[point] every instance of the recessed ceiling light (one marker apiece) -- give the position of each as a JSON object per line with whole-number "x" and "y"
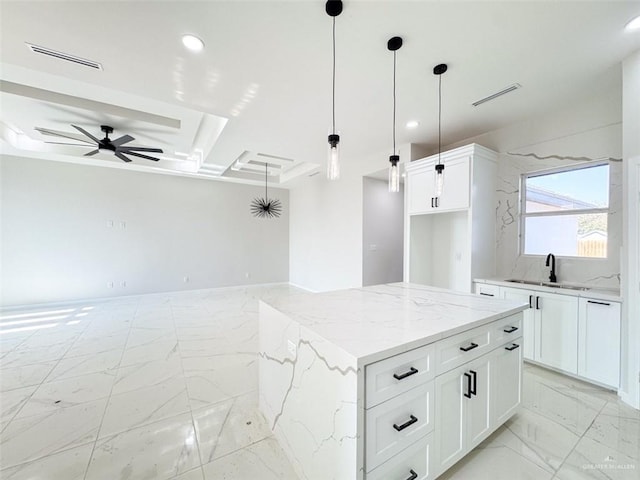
{"x": 633, "y": 24}
{"x": 412, "y": 124}
{"x": 192, "y": 42}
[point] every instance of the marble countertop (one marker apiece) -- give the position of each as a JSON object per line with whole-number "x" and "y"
{"x": 376, "y": 322}
{"x": 596, "y": 293}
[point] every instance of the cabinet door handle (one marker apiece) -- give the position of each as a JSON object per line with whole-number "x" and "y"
{"x": 406, "y": 424}
{"x": 475, "y": 378}
{"x": 413, "y": 476}
{"x": 537, "y": 303}
{"x": 468, "y": 394}
{"x": 512, "y": 347}
{"x": 412, "y": 371}
{"x": 470, "y": 347}
{"x": 432, "y": 205}
{"x": 437, "y": 202}
{"x": 530, "y": 301}
{"x": 487, "y": 294}
{"x": 599, "y": 303}
{"x": 510, "y": 330}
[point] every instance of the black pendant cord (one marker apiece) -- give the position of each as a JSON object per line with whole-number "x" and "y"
{"x": 333, "y": 92}
{"x": 394, "y": 102}
{"x": 266, "y": 197}
{"x": 439, "y": 116}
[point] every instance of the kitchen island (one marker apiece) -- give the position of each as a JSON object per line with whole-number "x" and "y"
{"x": 395, "y": 381}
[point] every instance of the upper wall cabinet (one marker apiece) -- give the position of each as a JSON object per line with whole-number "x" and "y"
{"x": 421, "y": 185}
{"x": 449, "y": 240}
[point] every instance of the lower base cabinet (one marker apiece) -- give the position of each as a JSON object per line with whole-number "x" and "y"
{"x": 506, "y": 380}
{"x": 415, "y": 463}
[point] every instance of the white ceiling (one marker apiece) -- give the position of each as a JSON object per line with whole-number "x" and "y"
{"x": 266, "y": 68}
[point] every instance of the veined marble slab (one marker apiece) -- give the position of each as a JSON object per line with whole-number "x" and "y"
{"x": 372, "y": 323}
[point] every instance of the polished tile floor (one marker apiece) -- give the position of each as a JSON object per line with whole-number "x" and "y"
{"x": 164, "y": 387}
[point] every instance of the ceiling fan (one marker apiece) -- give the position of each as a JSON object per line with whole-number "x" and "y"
{"x": 117, "y": 146}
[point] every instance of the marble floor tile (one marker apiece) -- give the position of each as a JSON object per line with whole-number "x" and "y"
{"x": 25, "y": 376}
{"x": 28, "y": 356}
{"x": 227, "y": 426}
{"x": 593, "y": 460}
{"x": 495, "y": 463}
{"x": 536, "y": 438}
{"x": 147, "y": 374}
{"x": 75, "y": 366}
{"x": 139, "y": 336}
{"x": 146, "y": 353}
{"x": 67, "y": 465}
{"x": 14, "y": 400}
{"x": 158, "y": 451}
{"x": 98, "y": 344}
{"x": 146, "y": 405}
{"x": 69, "y": 392}
{"x": 30, "y": 438}
{"x": 263, "y": 460}
{"x": 195, "y": 474}
{"x": 616, "y": 432}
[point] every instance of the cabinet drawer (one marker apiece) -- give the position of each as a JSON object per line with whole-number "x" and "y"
{"x": 414, "y": 462}
{"x": 398, "y": 423}
{"x": 392, "y": 376}
{"x": 487, "y": 290}
{"x": 506, "y": 329}
{"x": 454, "y": 351}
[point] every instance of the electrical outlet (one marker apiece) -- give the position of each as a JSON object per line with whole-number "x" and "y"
{"x": 247, "y": 275}
{"x": 291, "y": 347}
{"x": 123, "y": 283}
{"x": 123, "y": 224}
{"x": 109, "y": 284}
{"x": 109, "y": 223}
{"x": 185, "y": 279}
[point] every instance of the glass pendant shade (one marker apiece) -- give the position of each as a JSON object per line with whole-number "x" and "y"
{"x": 333, "y": 161}
{"x": 439, "y": 180}
{"x": 394, "y": 174}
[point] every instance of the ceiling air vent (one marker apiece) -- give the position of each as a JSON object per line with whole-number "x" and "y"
{"x": 64, "y": 56}
{"x": 510, "y": 88}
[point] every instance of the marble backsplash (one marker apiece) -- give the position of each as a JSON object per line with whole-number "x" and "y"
{"x": 601, "y": 272}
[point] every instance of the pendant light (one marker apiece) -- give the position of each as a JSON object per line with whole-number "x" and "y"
{"x": 266, "y": 207}
{"x": 394, "y": 45}
{"x": 333, "y": 9}
{"x": 439, "y": 177}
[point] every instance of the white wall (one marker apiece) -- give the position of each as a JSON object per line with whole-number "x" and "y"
{"x": 326, "y": 224}
{"x": 382, "y": 233}
{"x": 630, "y": 331}
{"x": 591, "y": 129}
{"x": 57, "y": 245}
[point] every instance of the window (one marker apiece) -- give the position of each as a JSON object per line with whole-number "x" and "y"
{"x": 564, "y": 211}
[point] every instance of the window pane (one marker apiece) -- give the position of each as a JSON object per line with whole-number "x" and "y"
{"x": 567, "y": 235}
{"x": 570, "y": 190}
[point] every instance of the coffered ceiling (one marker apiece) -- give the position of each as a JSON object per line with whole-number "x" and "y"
{"x": 260, "y": 91}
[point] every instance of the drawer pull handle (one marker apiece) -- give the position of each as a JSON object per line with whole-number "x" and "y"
{"x": 487, "y": 294}
{"x": 413, "y": 371}
{"x": 406, "y": 424}
{"x": 468, "y": 394}
{"x": 413, "y": 476}
{"x": 599, "y": 303}
{"x": 512, "y": 347}
{"x": 530, "y": 301}
{"x": 470, "y": 347}
{"x": 510, "y": 330}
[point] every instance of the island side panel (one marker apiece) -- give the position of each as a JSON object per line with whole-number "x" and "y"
{"x": 308, "y": 390}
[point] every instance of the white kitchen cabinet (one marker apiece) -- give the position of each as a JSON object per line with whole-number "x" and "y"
{"x": 506, "y": 378}
{"x": 528, "y": 318}
{"x": 487, "y": 290}
{"x": 463, "y": 416}
{"x": 451, "y": 240}
{"x": 599, "y": 341}
{"x": 556, "y": 331}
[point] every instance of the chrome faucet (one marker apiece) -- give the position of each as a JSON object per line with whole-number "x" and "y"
{"x": 552, "y": 275}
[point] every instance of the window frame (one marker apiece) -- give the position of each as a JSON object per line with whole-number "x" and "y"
{"x": 522, "y": 201}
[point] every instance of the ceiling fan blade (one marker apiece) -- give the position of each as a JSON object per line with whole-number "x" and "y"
{"x": 122, "y": 140}
{"x": 141, "y": 156}
{"x": 55, "y": 133}
{"x": 84, "y": 132}
{"x": 122, "y": 157}
{"x": 92, "y": 152}
{"x": 140, "y": 149}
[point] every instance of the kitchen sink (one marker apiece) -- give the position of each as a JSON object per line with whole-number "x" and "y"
{"x": 547, "y": 284}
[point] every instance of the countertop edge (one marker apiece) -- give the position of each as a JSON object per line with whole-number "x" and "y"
{"x": 591, "y": 293}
